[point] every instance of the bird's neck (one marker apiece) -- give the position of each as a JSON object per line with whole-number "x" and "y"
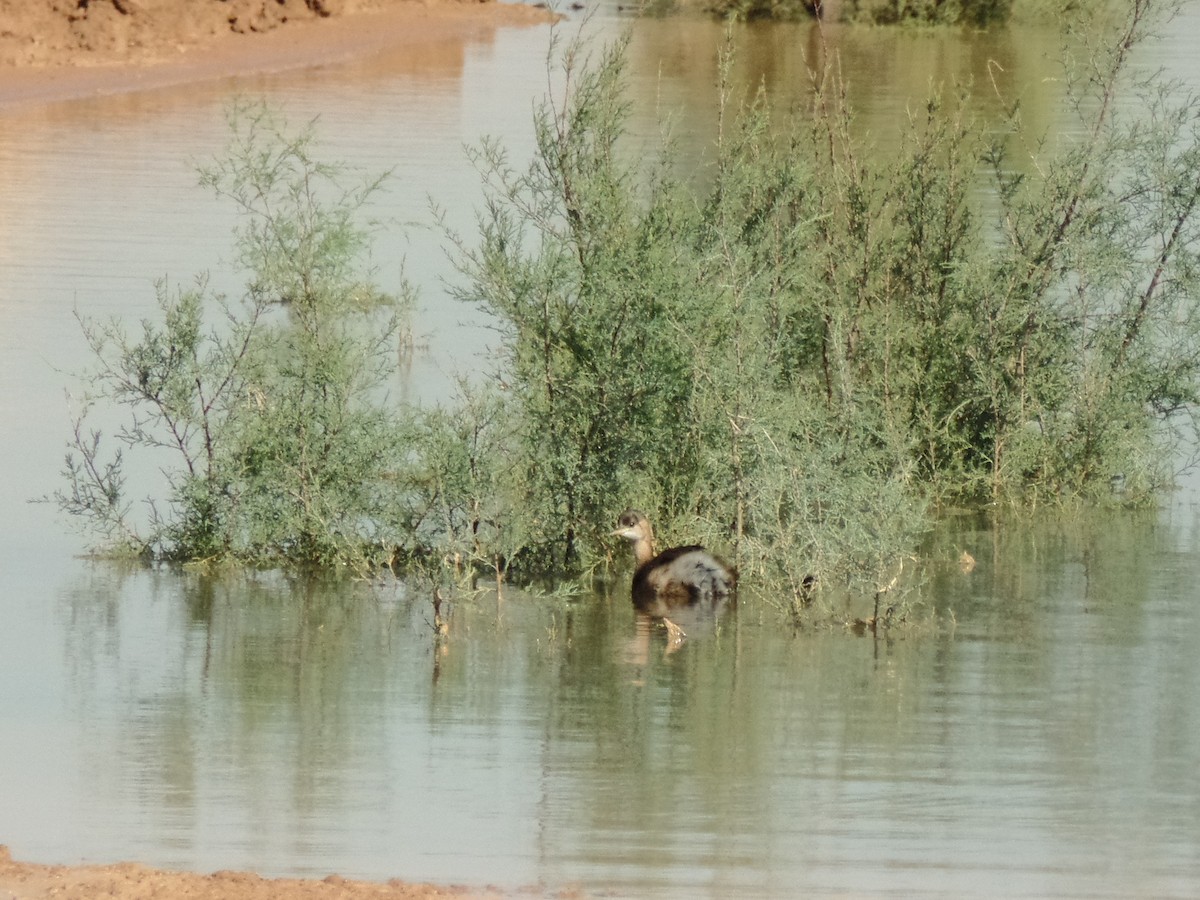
{"x": 643, "y": 551}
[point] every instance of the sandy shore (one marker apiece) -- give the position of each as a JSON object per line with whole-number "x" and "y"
{"x": 54, "y": 50}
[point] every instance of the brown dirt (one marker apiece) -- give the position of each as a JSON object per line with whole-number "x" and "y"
{"x": 60, "y": 49}
{"x": 103, "y": 32}
{"x": 130, "y": 881}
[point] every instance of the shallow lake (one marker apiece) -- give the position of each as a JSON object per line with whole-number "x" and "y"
{"x": 1045, "y": 743}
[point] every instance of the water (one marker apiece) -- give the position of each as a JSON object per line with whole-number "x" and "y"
{"x": 1045, "y": 745}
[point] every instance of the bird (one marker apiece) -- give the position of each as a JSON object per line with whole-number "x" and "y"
{"x": 674, "y": 579}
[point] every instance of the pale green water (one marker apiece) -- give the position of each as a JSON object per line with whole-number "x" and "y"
{"x": 1045, "y": 746}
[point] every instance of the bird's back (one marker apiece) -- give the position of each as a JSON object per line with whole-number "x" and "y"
{"x": 681, "y": 576}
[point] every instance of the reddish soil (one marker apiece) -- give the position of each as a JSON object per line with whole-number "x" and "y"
{"x": 59, "y": 49}
{"x": 103, "y": 32}
{"x": 130, "y": 881}
{"x": 62, "y": 49}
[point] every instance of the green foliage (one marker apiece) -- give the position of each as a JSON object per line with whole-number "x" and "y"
{"x": 1087, "y": 310}
{"x": 276, "y": 448}
{"x": 464, "y": 497}
{"x": 651, "y": 342}
{"x": 576, "y": 267}
{"x": 793, "y": 361}
{"x": 998, "y": 361}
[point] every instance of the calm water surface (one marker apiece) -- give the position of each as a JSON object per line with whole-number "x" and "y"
{"x": 1045, "y": 746}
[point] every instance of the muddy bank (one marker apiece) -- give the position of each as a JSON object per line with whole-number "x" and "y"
{"x": 130, "y": 881}
{"x": 59, "y": 49}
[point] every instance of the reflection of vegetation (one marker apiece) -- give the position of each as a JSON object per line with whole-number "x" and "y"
{"x": 978, "y": 13}
{"x": 773, "y": 10}
{"x": 974, "y": 13}
{"x": 791, "y": 362}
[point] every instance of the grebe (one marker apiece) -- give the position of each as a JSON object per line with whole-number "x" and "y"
{"x": 674, "y": 579}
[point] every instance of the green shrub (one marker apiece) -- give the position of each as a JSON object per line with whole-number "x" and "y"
{"x": 281, "y": 452}
{"x": 579, "y": 265}
{"x": 794, "y": 359}
{"x": 651, "y": 338}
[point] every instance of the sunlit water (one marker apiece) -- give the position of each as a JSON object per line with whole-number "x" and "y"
{"x": 1045, "y": 743}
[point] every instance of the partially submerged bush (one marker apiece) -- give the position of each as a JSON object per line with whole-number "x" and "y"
{"x": 654, "y": 343}
{"x": 280, "y": 453}
{"x": 1086, "y": 342}
{"x": 792, "y": 363}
